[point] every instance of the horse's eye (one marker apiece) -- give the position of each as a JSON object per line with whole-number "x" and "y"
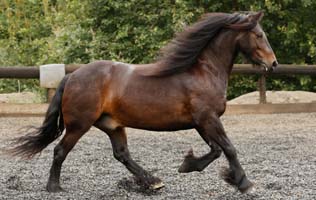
{"x": 259, "y": 35}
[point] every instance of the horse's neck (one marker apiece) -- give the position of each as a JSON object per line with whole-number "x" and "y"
{"x": 221, "y": 53}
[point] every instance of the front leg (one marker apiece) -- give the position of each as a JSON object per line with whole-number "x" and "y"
{"x": 212, "y": 130}
{"x": 192, "y": 163}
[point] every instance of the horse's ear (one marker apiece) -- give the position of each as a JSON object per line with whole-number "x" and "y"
{"x": 256, "y": 16}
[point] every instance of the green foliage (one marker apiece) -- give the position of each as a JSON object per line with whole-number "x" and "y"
{"x": 241, "y": 85}
{"x": 36, "y": 32}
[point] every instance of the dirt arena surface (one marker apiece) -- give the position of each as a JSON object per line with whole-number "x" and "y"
{"x": 277, "y": 152}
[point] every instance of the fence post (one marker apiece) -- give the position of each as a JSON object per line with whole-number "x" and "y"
{"x": 50, "y": 94}
{"x": 262, "y": 89}
{"x": 50, "y": 76}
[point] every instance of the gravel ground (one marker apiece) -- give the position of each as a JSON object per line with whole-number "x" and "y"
{"x": 277, "y": 152}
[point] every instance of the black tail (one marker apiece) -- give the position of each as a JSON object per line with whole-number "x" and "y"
{"x": 52, "y": 127}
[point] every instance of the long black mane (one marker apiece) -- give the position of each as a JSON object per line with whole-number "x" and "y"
{"x": 183, "y": 51}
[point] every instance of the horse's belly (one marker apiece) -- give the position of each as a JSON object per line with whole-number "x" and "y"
{"x": 154, "y": 119}
{"x": 160, "y": 126}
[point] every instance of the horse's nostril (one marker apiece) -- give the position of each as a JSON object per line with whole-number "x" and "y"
{"x": 275, "y": 63}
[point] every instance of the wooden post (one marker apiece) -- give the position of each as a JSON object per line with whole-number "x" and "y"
{"x": 50, "y": 77}
{"x": 262, "y": 89}
{"x": 50, "y": 94}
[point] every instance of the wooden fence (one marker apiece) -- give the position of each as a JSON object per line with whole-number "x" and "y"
{"x": 33, "y": 72}
{"x": 242, "y": 69}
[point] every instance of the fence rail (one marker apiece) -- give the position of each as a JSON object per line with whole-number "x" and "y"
{"x": 29, "y": 72}
{"x": 33, "y": 72}
{"x": 282, "y": 69}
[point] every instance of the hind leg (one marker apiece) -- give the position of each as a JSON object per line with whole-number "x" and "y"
{"x": 60, "y": 152}
{"x": 121, "y": 153}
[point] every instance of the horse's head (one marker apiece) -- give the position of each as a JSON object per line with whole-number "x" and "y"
{"x": 255, "y": 45}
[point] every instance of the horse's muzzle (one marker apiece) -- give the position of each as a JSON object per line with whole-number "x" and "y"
{"x": 273, "y": 66}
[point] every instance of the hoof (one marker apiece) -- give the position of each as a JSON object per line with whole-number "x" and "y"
{"x": 54, "y": 188}
{"x": 189, "y": 163}
{"x": 157, "y": 186}
{"x": 245, "y": 185}
{"x": 183, "y": 169}
{"x": 186, "y": 167}
{"x": 149, "y": 182}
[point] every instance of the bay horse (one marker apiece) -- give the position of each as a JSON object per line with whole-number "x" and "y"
{"x": 184, "y": 89}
